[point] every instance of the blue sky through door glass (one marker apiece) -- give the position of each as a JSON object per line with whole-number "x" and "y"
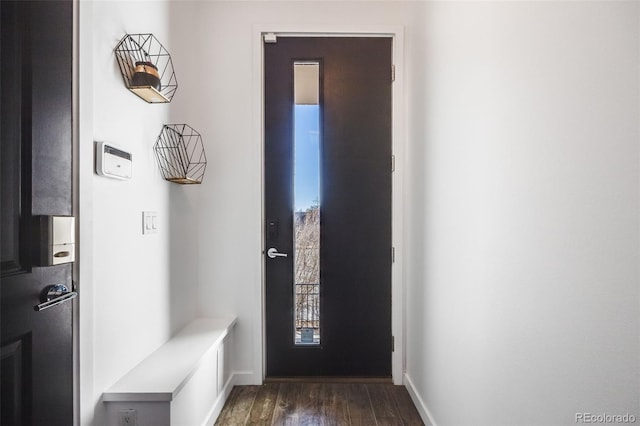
{"x": 307, "y": 157}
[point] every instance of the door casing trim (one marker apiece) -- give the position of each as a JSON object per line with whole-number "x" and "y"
{"x": 398, "y": 318}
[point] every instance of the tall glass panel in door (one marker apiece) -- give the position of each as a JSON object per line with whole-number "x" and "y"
{"x": 306, "y": 223}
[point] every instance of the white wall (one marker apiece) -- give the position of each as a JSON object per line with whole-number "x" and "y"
{"x": 522, "y": 198}
{"x": 136, "y": 290}
{"x": 523, "y": 284}
{"x": 223, "y": 105}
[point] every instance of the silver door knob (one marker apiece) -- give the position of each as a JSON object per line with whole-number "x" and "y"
{"x": 54, "y": 295}
{"x": 273, "y": 253}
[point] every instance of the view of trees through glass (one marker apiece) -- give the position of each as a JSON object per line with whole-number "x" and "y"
{"x": 307, "y": 224}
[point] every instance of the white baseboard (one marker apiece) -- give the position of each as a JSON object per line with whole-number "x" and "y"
{"x": 246, "y": 378}
{"x": 240, "y": 379}
{"x": 424, "y": 412}
{"x": 220, "y": 400}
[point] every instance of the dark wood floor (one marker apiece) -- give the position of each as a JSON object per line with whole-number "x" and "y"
{"x": 319, "y": 404}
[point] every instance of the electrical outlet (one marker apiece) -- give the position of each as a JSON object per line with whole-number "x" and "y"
{"x": 129, "y": 417}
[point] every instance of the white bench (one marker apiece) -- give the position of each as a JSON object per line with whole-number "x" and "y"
{"x": 183, "y": 383}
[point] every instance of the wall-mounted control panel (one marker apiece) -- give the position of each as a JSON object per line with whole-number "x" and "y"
{"x": 56, "y": 240}
{"x": 112, "y": 161}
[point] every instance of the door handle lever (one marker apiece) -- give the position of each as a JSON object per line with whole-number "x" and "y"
{"x": 54, "y": 295}
{"x": 273, "y": 253}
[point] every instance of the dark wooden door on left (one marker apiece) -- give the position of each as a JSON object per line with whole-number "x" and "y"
{"x": 36, "y": 158}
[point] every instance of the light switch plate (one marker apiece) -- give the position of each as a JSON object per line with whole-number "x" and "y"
{"x": 149, "y": 223}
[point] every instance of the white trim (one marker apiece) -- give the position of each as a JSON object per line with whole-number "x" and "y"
{"x": 220, "y": 400}
{"x": 75, "y": 169}
{"x": 84, "y": 263}
{"x": 243, "y": 378}
{"x": 398, "y": 317}
{"x": 398, "y": 197}
{"x": 424, "y": 412}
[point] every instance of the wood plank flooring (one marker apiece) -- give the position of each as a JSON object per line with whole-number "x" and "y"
{"x": 297, "y": 404}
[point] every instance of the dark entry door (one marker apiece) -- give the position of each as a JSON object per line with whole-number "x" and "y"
{"x": 36, "y": 153}
{"x": 328, "y": 302}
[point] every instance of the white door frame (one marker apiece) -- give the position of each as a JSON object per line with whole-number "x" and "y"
{"x": 398, "y": 146}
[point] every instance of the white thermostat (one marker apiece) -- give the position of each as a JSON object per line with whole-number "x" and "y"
{"x": 112, "y": 161}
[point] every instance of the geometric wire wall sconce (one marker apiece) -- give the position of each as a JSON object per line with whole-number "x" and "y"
{"x": 146, "y": 67}
{"x": 180, "y": 154}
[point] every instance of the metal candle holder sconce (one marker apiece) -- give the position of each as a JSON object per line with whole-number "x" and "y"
{"x": 146, "y": 67}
